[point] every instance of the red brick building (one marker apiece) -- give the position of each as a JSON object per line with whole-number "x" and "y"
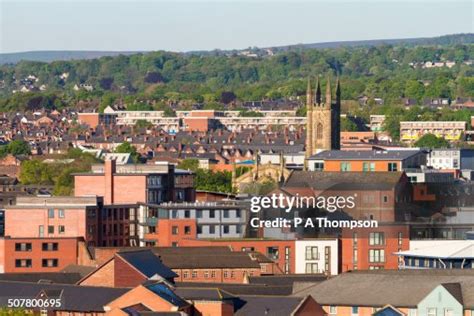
{"x": 129, "y": 184}
{"x": 201, "y": 264}
{"x": 373, "y": 248}
{"x": 63, "y": 217}
{"x": 282, "y": 252}
{"x": 129, "y": 269}
{"x": 27, "y": 255}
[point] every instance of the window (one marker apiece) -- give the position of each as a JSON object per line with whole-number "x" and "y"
{"x": 174, "y": 230}
{"x": 194, "y": 274}
{"x": 237, "y": 214}
{"x": 319, "y": 131}
{"x": 198, "y": 213}
{"x": 23, "y": 263}
{"x": 23, "y": 246}
{"x": 355, "y": 310}
{"x": 185, "y": 274}
{"x": 431, "y": 311}
{"x": 187, "y": 230}
{"x": 392, "y": 166}
{"x": 212, "y": 214}
{"x": 174, "y": 214}
{"x": 311, "y": 268}
{"x": 199, "y": 229}
{"x": 212, "y": 229}
{"x": 237, "y": 229}
{"x": 412, "y": 312}
{"x": 213, "y": 274}
{"x": 385, "y": 199}
{"x": 50, "y": 246}
{"x": 368, "y": 166}
{"x": 345, "y": 166}
{"x": 319, "y": 166}
{"x": 226, "y": 229}
{"x": 61, "y": 229}
{"x": 225, "y": 213}
{"x": 41, "y": 230}
{"x": 49, "y": 263}
{"x": 226, "y": 274}
{"x": 206, "y": 274}
{"x": 332, "y": 310}
{"x": 51, "y": 213}
{"x": 400, "y": 238}
{"x": 50, "y": 229}
{"x": 273, "y": 253}
{"x": 187, "y": 214}
{"x": 376, "y": 239}
{"x": 448, "y": 312}
{"x": 311, "y": 253}
{"x": 61, "y": 213}
{"x": 376, "y": 255}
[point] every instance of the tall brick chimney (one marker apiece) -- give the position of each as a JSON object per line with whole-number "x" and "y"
{"x": 109, "y": 171}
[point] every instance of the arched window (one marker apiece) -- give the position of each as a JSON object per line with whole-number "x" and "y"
{"x": 319, "y": 131}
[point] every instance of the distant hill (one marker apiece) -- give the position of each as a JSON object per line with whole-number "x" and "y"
{"x": 48, "y": 56}
{"x": 454, "y": 39}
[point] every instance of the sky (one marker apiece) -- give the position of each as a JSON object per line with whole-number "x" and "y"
{"x": 143, "y": 25}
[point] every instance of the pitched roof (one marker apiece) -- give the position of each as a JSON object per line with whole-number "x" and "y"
{"x": 382, "y": 287}
{"x": 74, "y": 297}
{"x": 323, "y": 180}
{"x": 163, "y": 291}
{"x": 203, "y": 293}
{"x": 147, "y": 263}
{"x": 42, "y": 277}
{"x": 263, "y": 305}
{"x": 242, "y": 289}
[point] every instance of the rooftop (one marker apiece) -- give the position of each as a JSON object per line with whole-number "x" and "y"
{"x": 365, "y": 155}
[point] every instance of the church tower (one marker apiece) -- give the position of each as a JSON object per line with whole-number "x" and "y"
{"x": 323, "y": 126}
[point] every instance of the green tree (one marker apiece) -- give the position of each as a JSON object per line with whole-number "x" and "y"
{"x": 127, "y": 148}
{"x": 36, "y": 172}
{"x": 347, "y": 125}
{"x": 189, "y": 164}
{"x": 18, "y": 147}
{"x": 431, "y": 141}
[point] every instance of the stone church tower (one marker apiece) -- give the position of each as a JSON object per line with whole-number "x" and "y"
{"x": 323, "y": 127}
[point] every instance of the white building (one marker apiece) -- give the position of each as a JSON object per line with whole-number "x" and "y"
{"x": 316, "y": 256}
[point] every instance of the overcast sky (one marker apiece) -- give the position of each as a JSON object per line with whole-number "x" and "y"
{"x": 28, "y": 25}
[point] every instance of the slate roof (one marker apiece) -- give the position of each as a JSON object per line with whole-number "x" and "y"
{"x": 43, "y": 277}
{"x": 75, "y": 298}
{"x": 203, "y": 293}
{"x": 267, "y": 305}
{"x": 147, "y": 263}
{"x": 166, "y": 293}
{"x": 242, "y": 289}
{"x": 322, "y": 180}
{"x": 365, "y": 155}
{"x": 382, "y": 287}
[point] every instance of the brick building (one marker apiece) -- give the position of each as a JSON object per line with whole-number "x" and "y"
{"x": 381, "y": 196}
{"x": 366, "y": 160}
{"x": 129, "y": 184}
{"x": 373, "y": 248}
{"x": 26, "y": 255}
{"x": 129, "y": 269}
{"x": 281, "y": 252}
{"x": 62, "y": 217}
{"x": 202, "y": 264}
